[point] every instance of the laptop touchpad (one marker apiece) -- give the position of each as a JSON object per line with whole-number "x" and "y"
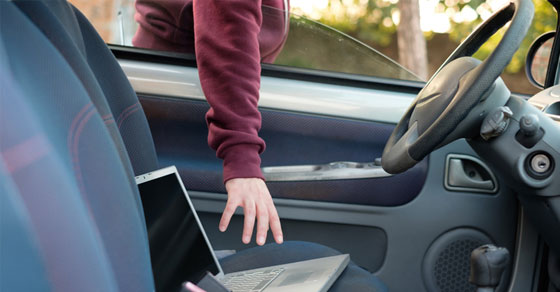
{"x": 295, "y": 278}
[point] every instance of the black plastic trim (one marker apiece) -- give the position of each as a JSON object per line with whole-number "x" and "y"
{"x": 337, "y": 78}
{"x": 551, "y": 72}
{"x": 152, "y": 56}
{"x": 537, "y": 43}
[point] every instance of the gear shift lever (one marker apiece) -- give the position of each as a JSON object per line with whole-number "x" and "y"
{"x": 488, "y": 263}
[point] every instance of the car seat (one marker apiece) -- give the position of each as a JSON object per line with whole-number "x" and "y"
{"x": 78, "y": 136}
{"x": 48, "y": 240}
{"x": 19, "y": 248}
{"x": 79, "y": 95}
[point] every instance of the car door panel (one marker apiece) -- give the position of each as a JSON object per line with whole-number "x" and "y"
{"x": 393, "y": 226}
{"x": 179, "y": 131}
{"x": 411, "y": 230}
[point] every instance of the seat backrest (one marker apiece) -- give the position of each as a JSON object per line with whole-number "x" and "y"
{"x": 79, "y": 136}
{"x": 20, "y": 257}
{"x": 48, "y": 241}
{"x": 129, "y": 115}
{"x": 64, "y": 34}
{"x": 98, "y": 70}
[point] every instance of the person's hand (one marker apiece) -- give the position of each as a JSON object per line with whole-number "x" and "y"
{"x": 252, "y": 195}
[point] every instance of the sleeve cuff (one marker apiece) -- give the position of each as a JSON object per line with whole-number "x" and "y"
{"x": 242, "y": 161}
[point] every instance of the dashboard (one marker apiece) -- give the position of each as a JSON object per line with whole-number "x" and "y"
{"x": 526, "y": 155}
{"x": 548, "y": 101}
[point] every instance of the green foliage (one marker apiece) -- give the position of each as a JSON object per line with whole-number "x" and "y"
{"x": 543, "y": 21}
{"x": 371, "y": 21}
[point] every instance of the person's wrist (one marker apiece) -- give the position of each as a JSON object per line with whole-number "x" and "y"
{"x": 242, "y": 161}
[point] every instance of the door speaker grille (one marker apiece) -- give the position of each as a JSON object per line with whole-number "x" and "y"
{"x": 446, "y": 265}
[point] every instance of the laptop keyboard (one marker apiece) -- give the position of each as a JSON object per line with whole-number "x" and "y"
{"x": 251, "y": 281}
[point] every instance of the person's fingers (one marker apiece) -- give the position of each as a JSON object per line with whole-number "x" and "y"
{"x": 249, "y": 223}
{"x": 253, "y": 196}
{"x": 262, "y": 223}
{"x": 231, "y": 206}
{"x": 275, "y": 225}
{"x": 192, "y": 287}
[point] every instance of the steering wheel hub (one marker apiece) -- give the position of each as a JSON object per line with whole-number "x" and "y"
{"x": 439, "y": 92}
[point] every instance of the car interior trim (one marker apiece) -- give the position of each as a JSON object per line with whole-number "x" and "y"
{"x": 553, "y": 63}
{"x": 537, "y": 43}
{"x": 276, "y": 93}
{"x": 548, "y": 101}
{"x": 330, "y": 171}
{"x": 525, "y": 256}
{"x": 272, "y": 70}
{"x": 476, "y": 175}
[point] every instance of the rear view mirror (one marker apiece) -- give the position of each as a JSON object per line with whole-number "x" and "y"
{"x": 538, "y": 56}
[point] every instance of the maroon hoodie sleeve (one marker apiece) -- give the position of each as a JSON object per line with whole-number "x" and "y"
{"x": 227, "y": 52}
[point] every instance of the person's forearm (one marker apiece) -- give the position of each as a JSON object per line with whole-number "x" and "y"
{"x": 228, "y": 57}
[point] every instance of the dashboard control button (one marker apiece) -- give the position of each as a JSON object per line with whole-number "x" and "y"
{"x": 530, "y": 131}
{"x": 529, "y": 125}
{"x": 495, "y": 123}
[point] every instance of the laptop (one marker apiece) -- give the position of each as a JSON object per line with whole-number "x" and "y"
{"x": 180, "y": 250}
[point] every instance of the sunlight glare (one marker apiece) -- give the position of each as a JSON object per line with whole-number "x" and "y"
{"x": 310, "y": 8}
{"x": 434, "y": 15}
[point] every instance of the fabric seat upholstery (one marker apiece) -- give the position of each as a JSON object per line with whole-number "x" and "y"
{"x": 82, "y": 99}
{"x": 87, "y": 154}
{"x": 84, "y": 50}
{"x": 48, "y": 241}
{"x": 355, "y": 278}
{"x": 20, "y": 257}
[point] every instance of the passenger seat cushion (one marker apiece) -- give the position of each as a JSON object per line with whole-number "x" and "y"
{"x": 353, "y": 278}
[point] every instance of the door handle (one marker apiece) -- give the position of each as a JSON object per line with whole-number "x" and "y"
{"x": 466, "y": 173}
{"x": 330, "y": 171}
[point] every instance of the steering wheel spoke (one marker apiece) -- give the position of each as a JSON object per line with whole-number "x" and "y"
{"x": 442, "y": 111}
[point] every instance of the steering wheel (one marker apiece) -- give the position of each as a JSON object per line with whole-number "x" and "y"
{"x": 442, "y": 108}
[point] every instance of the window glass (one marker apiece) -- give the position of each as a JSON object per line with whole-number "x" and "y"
{"x": 113, "y": 19}
{"x": 443, "y": 23}
{"x": 354, "y": 36}
{"x": 312, "y": 45}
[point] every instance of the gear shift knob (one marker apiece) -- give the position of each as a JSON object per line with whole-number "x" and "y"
{"x": 488, "y": 263}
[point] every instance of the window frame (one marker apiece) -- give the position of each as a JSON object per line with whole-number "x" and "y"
{"x": 279, "y": 71}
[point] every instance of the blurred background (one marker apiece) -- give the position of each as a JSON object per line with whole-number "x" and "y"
{"x": 427, "y": 30}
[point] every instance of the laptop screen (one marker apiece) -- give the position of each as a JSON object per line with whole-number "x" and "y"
{"x": 178, "y": 248}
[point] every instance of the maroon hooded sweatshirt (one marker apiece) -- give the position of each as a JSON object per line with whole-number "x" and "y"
{"x": 231, "y": 38}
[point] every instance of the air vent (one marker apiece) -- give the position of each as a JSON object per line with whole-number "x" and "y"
{"x": 552, "y": 110}
{"x": 554, "y": 117}
{"x": 537, "y": 105}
